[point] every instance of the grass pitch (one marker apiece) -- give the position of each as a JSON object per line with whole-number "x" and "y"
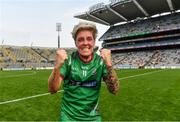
{"x": 152, "y": 95}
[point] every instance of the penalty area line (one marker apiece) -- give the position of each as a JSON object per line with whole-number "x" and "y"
{"x": 25, "y": 98}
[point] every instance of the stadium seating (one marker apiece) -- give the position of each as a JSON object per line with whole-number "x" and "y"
{"x": 152, "y": 59}
{"x": 146, "y": 26}
{"x": 147, "y": 43}
{"x": 165, "y": 52}
{"x": 14, "y": 57}
{"x": 28, "y": 57}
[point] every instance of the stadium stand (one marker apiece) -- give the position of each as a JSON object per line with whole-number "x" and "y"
{"x": 158, "y": 24}
{"x": 17, "y": 58}
{"x": 141, "y": 34}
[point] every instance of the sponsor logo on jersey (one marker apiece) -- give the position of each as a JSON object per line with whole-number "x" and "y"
{"x": 88, "y": 84}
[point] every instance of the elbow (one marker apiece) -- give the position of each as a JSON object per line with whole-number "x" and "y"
{"x": 114, "y": 91}
{"x": 114, "y": 88}
{"x": 52, "y": 90}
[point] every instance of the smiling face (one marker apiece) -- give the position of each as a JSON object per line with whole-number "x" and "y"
{"x": 85, "y": 43}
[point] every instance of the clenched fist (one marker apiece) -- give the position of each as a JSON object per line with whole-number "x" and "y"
{"x": 106, "y": 56}
{"x": 61, "y": 56}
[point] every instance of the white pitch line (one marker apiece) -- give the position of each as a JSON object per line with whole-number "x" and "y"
{"x": 39, "y": 95}
{"x": 147, "y": 73}
{"x": 10, "y": 76}
{"x": 25, "y": 98}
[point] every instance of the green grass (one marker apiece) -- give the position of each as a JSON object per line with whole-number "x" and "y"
{"x": 153, "y": 96}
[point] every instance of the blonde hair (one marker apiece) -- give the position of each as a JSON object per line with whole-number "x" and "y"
{"x": 84, "y": 26}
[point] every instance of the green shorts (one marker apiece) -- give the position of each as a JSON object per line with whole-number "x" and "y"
{"x": 66, "y": 117}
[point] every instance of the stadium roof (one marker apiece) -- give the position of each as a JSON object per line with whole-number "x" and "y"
{"x": 126, "y": 10}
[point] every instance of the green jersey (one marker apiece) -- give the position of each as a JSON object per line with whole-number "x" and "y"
{"x": 82, "y": 84}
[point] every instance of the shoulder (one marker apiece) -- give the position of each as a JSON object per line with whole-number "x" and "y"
{"x": 71, "y": 57}
{"x": 74, "y": 54}
{"x": 98, "y": 59}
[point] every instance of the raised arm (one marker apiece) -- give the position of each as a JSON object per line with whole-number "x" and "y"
{"x": 55, "y": 79}
{"x": 111, "y": 78}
